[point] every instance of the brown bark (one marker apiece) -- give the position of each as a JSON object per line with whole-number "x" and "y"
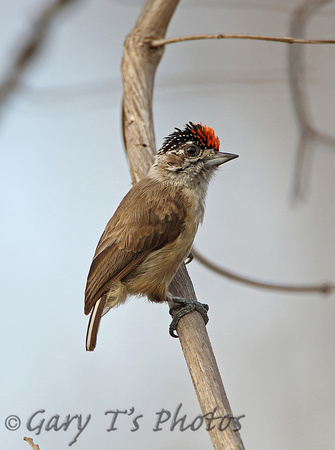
{"x": 139, "y": 65}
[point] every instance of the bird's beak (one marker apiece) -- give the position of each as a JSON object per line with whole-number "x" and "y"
{"x": 218, "y": 159}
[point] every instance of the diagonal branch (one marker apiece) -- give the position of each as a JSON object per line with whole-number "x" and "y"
{"x": 139, "y": 65}
{"x": 32, "y": 45}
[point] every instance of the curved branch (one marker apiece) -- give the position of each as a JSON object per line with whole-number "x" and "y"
{"x": 324, "y": 288}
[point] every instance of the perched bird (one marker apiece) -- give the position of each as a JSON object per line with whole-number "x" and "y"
{"x": 151, "y": 233}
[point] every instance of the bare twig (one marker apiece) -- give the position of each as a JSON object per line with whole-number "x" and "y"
{"x": 139, "y": 64}
{"x": 31, "y": 443}
{"x": 324, "y": 288}
{"x": 30, "y": 48}
{"x": 308, "y": 134}
{"x": 195, "y": 37}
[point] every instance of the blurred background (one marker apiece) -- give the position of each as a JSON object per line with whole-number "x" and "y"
{"x": 64, "y": 172}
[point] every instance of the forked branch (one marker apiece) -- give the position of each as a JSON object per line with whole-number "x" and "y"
{"x": 309, "y": 134}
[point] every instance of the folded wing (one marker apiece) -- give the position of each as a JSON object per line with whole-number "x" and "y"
{"x": 139, "y": 226}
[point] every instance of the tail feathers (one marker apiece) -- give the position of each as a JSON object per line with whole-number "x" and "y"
{"x": 93, "y": 325}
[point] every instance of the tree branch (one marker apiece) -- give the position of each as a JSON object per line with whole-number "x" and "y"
{"x": 32, "y": 45}
{"x": 324, "y": 288}
{"x": 195, "y": 37}
{"x": 139, "y": 64}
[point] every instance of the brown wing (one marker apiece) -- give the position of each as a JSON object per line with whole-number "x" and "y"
{"x": 148, "y": 218}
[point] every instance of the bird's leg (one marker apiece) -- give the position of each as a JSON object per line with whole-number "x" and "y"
{"x": 183, "y": 306}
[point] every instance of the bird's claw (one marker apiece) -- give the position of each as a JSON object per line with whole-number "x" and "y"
{"x": 189, "y": 258}
{"x": 185, "y": 306}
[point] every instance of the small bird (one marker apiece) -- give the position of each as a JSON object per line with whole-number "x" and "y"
{"x": 151, "y": 233}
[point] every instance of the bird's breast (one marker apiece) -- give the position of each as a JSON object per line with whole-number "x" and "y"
{"x": 153, "y": 275}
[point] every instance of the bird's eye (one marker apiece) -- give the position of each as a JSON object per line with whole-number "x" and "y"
{"x": 192, "y": 150}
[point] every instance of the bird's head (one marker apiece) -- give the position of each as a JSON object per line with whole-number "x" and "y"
{"x": 190, "y": 155}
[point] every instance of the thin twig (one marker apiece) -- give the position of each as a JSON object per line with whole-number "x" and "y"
{"x": 31, "y": 443}
{"x": 194, "y": 37}
{"x": 324, "y": 288}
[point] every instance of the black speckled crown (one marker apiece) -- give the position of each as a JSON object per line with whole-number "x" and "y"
{"x": 200, "y": 134}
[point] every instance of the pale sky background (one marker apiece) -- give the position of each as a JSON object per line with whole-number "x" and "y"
{"x": 63, "y": 173}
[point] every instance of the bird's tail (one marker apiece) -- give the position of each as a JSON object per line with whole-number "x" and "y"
{"x": 93, "y": 324}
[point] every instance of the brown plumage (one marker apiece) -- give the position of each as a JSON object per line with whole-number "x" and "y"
{"x": 152, "y": 230}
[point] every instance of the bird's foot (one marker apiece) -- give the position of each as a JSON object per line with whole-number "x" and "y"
{"x": 183, "y": 306}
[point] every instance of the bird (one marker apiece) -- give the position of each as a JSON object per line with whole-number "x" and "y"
{"x": 152, "y": 231}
